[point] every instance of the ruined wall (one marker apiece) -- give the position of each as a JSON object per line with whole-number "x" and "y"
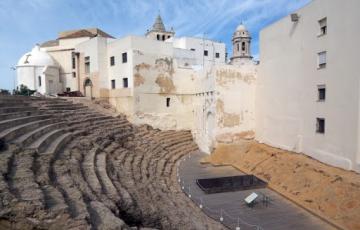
{"x": 224, "y": 105}
{"x": 235, "y": 102}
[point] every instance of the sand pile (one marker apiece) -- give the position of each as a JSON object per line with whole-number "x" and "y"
{"x": 329, "y": 192}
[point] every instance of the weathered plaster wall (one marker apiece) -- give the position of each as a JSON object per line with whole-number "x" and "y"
{"x": 224, "y": 105}
{"x": 156, "y": 78}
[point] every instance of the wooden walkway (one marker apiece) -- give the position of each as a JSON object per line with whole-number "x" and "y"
{"x": 279, "y": 214}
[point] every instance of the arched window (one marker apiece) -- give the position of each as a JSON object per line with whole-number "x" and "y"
{"x": 243, "y": 46}
{"x": 158, "y": 36}
{"x": 237, "y": 45}
{"x": 39, "y": 80}
{"x": 163, "y": 37}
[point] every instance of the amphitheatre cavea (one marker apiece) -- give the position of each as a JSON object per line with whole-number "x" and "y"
{"x": 144, "y": 115}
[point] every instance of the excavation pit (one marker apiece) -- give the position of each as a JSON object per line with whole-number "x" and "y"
{"x": 230, "y": 184}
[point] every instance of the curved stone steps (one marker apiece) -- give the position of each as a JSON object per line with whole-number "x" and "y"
{"x": 21, "y": 180}
{"x": 13, "y": 109}
{"x": 13, "y": 115}
{"x": 27, "y": 138}
{"x": 108, "y": 186}
{"x": 73, "y": 197}
{"x": 16, "y": 131}
{"x": 103, "y": 219}
{"x": 6, "y": 196}
{"x": 12, "y": 104}
{"x": 5, "y": 124}
{"x": 42, "y": 144}
{"x": 127, "y": 201}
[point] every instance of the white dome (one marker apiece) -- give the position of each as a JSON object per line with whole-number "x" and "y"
{"x": 36, "y": 58}
{"x": 241, "y": 27}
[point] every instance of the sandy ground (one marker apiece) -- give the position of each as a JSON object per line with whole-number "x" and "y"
{"x": 329, "y": 192}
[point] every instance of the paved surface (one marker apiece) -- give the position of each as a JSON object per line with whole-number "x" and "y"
{"x": 280, "y": 213}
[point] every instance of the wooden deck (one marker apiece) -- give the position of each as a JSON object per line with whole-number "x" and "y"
{"x": 279, "y": 214}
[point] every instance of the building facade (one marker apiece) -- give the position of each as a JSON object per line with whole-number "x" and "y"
{"x": 308, "y": 89}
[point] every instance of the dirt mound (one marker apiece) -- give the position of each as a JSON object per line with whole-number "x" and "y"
{"x": 330, "y": 192}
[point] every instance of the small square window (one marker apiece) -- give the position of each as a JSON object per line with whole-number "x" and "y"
{"x": 320, "y": 125}
{"x": 74, "y": 74}
{"x": 113, "y": 84}
{"x": 323, "y": 26}
{"x": 206, "y": 53}
{"x": 322, "y": 60}
{"x": 68, "y": 89}
{"x": 112, "y": 61}
{"x": 192, "y": 49}
{"x": 321, "y": 93}
{"x": 124, "y": 57}
{"x": 125, "y": 82}
{"x": 217, "y": 55}
{"x": 168, "y": 102}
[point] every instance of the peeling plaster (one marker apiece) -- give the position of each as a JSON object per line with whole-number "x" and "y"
{"x": 166, "y": 84}
{"x": 138, "y": 80}
{"x": 235, "y": 137}
{"x": 165, "y": 65}
{"x": 226, "y": 119}
{"x": 142, "y": 66}
{"x": 226, "y": 77}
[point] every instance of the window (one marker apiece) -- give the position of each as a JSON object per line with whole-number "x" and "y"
{"x": 73, "y": 63}
{"x": 124, "y": 57}
{"x": 169, "y": 36}
{"x": 125, "y": 82}
{"x": 163, "y": 37}
{"x": 192, "y": 49}
{"x": 237, "y": 47}
{"x": 243, "y": 46}
{"x": 323, "y": 26}
{"x": 158, "y": 37}
{"x": 320, "y": 125}
{"x": 112, "y": 61}
{"x": 68, "y": 89}
{"x": 113, "y": 84}
{"x": 206, "y": 53}
{"x": 168, "y": 102}
{"x": 321, "y": 92}
{"x": 322, "y": 60}
{"x": 73, "y": 74}
{"x": 39, "y": 80}
{"x": 217, "y": 55}
{"x": 87, "y": 64}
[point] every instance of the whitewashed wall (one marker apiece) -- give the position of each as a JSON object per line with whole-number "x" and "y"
{"x": 286, "y": 100}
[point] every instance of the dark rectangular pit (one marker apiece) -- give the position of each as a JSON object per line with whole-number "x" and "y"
{"x": 230, "y": 184}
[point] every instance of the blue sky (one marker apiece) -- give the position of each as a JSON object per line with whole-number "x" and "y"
{"x": 27, "y": 22}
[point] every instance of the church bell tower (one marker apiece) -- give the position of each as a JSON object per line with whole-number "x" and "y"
{"x": 241, "y": 45}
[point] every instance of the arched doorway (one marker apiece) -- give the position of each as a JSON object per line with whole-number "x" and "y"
{"x": 88, "y": 88}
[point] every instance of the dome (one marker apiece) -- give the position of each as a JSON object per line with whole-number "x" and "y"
{"x": 241, "y": 31}
{"x": 241, "y": 27}
{"x": 36, "y": 58}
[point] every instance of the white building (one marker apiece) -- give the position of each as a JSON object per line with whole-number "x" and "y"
{"x": 308, "y": 92}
